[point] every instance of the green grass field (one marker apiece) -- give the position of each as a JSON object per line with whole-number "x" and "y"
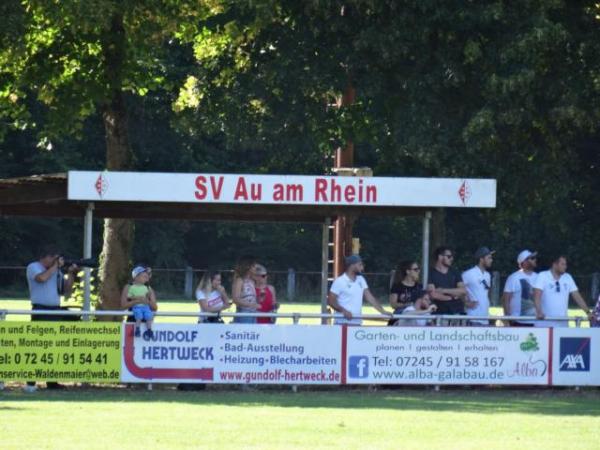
{"x": 267, "y": 419}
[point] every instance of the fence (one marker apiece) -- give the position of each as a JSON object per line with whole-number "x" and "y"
{"x": 291, "y": 285}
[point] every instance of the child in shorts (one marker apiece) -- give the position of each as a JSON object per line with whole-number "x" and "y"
{"x": 139, "y": 291}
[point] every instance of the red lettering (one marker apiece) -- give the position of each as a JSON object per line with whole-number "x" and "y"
{"x": 371, "y": 194}
{"x": 320, "y": 190}
{"x": 200, "y": 188}
{"x": 216, "y": 189}
{"x": 240, "y": 190}
{"x": 336, "y": 192}
{"x": 349, "y": 193}
{"x": 255, "y": 191}
{"x": 278, "y": 192}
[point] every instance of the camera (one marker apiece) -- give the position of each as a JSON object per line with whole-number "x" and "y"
{"x": 88, "y": 262}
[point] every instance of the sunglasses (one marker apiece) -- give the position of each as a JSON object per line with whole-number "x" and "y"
{"x": 264, "y": 275}
{"x": 415, "y": 269}
{"x": 557, "y": 286}
{"x": 450, "y": 256}
{"x": 485, "y": 285}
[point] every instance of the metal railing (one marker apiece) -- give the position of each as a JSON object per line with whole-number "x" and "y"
{"x": 436, "y": 319}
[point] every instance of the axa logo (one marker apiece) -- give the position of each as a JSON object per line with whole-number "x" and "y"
{"x": 359, "y": 366}
{"x": 464, "y": 192}
{"x": 574, "y": 354}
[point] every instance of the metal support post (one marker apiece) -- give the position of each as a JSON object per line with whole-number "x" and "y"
{"x": 324, "y": 267}
{"x": 425, "y": 261}
{"x": 87, "y": 253}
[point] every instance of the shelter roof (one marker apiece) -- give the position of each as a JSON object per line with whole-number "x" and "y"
{"x": 46, "y": 195}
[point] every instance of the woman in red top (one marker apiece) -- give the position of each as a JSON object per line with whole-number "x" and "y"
{"x": 265, "y": 295}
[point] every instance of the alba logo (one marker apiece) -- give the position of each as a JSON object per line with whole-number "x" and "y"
{"x": 359, "y": 367}
{"x": 575, "y": 354}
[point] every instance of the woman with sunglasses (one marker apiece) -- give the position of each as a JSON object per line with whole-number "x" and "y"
{"x": 265, "y": 294}
{"x": 406, "y": 289}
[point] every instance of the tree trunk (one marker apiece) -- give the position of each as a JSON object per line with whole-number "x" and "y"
{"x": 118, "y": 233}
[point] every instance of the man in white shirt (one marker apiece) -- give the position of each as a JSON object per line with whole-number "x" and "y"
{"x": 348, "y": 291}
{"x": 478, "y": 281}
{"x": 517, "y": 298}
{"x": 551, "y": 293}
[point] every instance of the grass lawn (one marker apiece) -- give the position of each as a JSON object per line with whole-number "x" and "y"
{"x": 264, "y": 419}
{"x": 178, "y": 305}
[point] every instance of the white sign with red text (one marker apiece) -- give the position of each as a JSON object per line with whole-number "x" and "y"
{"x": 447, "y": 355}
{"x": 281, "y": 189}
{"x": 214, "y": 353}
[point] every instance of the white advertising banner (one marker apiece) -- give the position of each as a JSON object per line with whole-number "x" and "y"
{"x": 576, "y": 356}
{"x": 214, "y": 353}
{"x": 281, "y": 189}
{"x": 447, "y": 355}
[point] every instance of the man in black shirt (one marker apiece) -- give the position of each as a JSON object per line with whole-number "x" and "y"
{"x": 445, "y": 285}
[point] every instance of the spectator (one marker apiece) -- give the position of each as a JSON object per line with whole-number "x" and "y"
{"x": 212, "y": 297}
{"x": 405, "y": 290}
{"x": 266, "y": 295}
{"x": 477, "y": 281}
{"x": 243, "y": 291}
{"x": 421, "y": 306}
{"x": 551, "y": 292}
{"x": 348, "y": 291}
{"x": 595, "y": 317}
{"x": 445, "y": 286}
{"x": 141, "y": 299}
{"x": 47, "y": 283}
{"x": 517, "y": 298}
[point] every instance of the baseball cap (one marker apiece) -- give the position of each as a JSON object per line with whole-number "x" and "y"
{"x": 137, "y": 270}
{"x": 483, "y": 252}
{"x": 524, "y": 255}
{"x": 352, "y": 259}
{"x": 259, "y": 269}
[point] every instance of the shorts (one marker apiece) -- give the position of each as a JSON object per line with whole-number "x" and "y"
{"x": 245, "y": 320}
{"x": 142, "y": 312}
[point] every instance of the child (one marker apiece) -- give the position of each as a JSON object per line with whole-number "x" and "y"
{"x": 140, "y": 296}
{"x": 422, "y": 306}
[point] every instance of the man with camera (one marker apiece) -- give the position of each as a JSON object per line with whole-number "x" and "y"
{"x": 47, "y": 282}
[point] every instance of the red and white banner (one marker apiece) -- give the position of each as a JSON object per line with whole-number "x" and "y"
{"x": 213, "y": 353}
{"x": 281, "y": 189}
{"x": 333, "y": 355}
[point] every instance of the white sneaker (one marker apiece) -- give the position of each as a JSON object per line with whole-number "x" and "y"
{"x": 1, "y": 385}
{"x": 29, "y": 389}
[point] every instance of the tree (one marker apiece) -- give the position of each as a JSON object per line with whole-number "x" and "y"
{"x": 76, "y": 59}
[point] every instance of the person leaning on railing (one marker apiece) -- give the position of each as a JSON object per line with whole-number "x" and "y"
{"x": 551, "y": 292}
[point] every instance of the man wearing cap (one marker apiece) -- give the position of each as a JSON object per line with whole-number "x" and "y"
{"x": 517, "y": 298}
{"x": 478, "y": 281}
{"x": 348, "y": 291}
{"x": 551, "y": 292}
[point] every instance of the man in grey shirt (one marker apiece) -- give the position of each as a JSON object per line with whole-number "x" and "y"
{"x": 47, "y": 283}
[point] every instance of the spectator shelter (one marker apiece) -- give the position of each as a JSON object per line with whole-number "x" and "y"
{"x": 232, "y": 197}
